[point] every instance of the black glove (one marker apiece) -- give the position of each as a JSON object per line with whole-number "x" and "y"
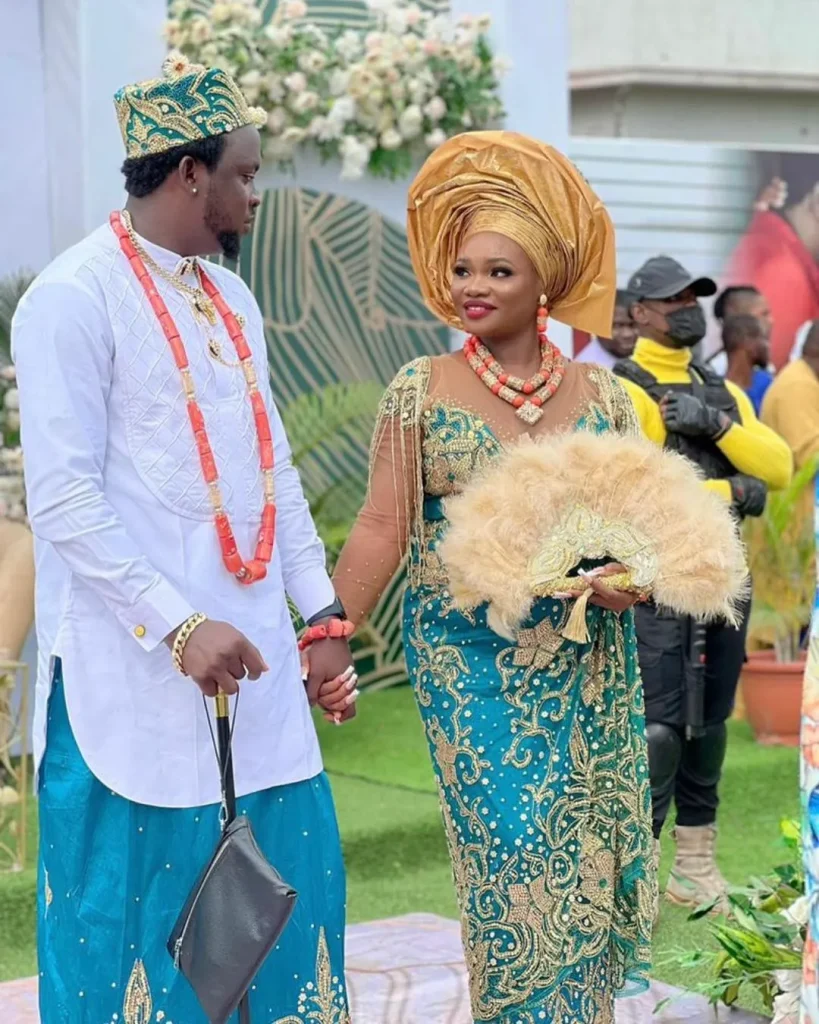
{"x": 684, "y": 414}
{"x": 749, "y": 494}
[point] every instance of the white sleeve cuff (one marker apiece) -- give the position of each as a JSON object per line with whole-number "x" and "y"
{"x": 159, "y": 611}
{"x": 311, "y": 591}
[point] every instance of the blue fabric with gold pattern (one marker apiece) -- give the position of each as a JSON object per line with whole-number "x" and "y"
{"x": 97, "y": 888}
{"x": 188, "y": 103}
{"x": 539, "y": 751}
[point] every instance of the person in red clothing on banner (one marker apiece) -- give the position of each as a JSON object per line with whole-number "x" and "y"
{"x": 779, "y": 252}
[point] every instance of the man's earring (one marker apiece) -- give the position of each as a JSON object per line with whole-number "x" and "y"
{"x": 195, "y": 190}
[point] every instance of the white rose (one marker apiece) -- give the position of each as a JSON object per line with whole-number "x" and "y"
{"x": 397, "y": 21}
{"x": 294, "y": 9}
{"x": 8, "y": 373}
{"x": 436, "y": 138}
{"x": 312, "y": 62}
{"x": 276, "y": 120}
{"x": 296, "y": 82}
{"x": 391, "y": 139}
{"x": 323, "y": 129}
{"x": 305, "y": 101}
{"x": 12, "y": 399}
{"x": 348, "y": 45}
{"x": 432, "y": 47}
{"x": 220, "y": 12}
{"x": 279, "y": 35}
{"x": 339, "y": 82}
{"x": 343, "y": 110}
{"x": 251, "y": 79}
{"x": 410, "y": 122}
{"x": 293, "y": 135}
{"x": 467, "y": 120}
{"x": 435, "y": 109}
{"x": 200, "y": 31}
{"x": 483, "y": 23}
{"x": 414, "y": 15}
{"x": 274, "y": 86}
{"x": 374, "y": 42}
{"x": 8, "y": 796}
{"x": 13, "y": 419}
{"x": 501, "y": 65}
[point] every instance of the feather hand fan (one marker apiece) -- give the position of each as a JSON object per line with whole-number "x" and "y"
{"x": 523, "y": 527}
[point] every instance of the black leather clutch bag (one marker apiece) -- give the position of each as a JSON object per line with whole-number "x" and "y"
{"x": 234, "y": 915}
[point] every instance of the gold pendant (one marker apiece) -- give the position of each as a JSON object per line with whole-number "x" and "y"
{"x": 206, "y": 309}
{"x": 529, "y": 413}
{"x": 215, "y": 352}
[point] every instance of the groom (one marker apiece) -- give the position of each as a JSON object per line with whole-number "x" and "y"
{"x": 170, "y": 528}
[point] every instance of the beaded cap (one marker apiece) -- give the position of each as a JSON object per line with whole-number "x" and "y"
{"x": 189, "y": 102}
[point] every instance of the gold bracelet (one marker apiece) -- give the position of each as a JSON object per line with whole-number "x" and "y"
{"x": 181, "y": 639}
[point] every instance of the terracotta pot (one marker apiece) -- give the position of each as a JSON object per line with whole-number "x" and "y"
{"x": 772, "y": 698}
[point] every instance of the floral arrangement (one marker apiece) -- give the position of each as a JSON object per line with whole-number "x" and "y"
{"x": 760, "y": 939}
{"x": 377, "y": 99}
{"x": 12, "y": 491}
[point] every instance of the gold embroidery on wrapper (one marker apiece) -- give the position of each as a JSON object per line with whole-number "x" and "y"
{"x": 618, "y": 406}
{"x": 138, "y": 1004}
{"x": 543, "y": 908}
{"x": 322, "y": 1001}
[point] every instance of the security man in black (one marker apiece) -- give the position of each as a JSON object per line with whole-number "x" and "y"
{"x": 690, "y": 672}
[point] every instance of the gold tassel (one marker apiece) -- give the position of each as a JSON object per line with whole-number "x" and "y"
{"x": 576, "y": 629}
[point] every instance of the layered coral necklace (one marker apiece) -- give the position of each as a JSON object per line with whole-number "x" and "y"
{"x": 255, "y": 569}
{"x": 527, "y": 396}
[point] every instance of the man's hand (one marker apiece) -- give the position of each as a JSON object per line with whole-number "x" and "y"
{"x": 684, "y": 414}
{"x": 216, "y": 656}
{"x": 748, "y": 494}
{"x": 327, "y": 659}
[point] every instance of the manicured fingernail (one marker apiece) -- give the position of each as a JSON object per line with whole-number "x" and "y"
{"x": 351, "y": 699}
{"x": 336, "y": 719}
{"x": 346, "y": 675}
{"x": 563, "y": 597}
{"x": 351, "y": 682}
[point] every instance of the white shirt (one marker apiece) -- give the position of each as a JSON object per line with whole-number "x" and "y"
{"x": 125, "y": 543}
{"x": 595, "y": 353}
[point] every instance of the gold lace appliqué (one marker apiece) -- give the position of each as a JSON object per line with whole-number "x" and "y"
{"x": 322, "y": 1001}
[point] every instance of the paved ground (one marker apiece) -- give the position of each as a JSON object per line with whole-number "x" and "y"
{"x": 409, "y": 970}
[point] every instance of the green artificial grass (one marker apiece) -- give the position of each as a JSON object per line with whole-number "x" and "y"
{"x": 394, "y": 845}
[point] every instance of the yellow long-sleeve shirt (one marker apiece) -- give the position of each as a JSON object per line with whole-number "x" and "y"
{"x": 750, "y": 446}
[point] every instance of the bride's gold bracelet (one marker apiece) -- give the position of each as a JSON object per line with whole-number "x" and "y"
{"x": 181, "y": 639}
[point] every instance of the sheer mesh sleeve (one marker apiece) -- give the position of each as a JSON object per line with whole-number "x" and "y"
{"x": 382, "y": 532}
{"x": 617, "y": 401}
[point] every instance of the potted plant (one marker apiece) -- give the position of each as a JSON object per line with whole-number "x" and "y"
{"x": 782, "y": 557}
{"x": 759, "y": 940}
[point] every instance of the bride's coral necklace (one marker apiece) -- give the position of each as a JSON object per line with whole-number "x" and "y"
{"x": 256, "y": 568}
{"x": 527, "y": 396}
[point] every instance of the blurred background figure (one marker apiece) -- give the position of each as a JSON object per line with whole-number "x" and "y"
{"x": 607, "y": 351}
{"x": 791, "y": 406}
{"x": 745, "y": 300}
{"x": 779, "y": 251}
{"x": 747, "y": 350}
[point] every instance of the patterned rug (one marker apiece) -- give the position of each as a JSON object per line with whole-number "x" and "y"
{"x": 409, "y": 970}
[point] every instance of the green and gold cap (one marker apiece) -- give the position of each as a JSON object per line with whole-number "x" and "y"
{"x": 190, "y": 102}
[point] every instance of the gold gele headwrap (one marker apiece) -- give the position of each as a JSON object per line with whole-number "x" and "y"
{"x": 189, "y": 102}
{"x": 528, "y": 191}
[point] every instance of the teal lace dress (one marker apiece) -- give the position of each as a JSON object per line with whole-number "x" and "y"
{"x": 538, "y": 746}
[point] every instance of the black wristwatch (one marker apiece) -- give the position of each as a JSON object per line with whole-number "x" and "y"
{"x": 332, "y": 611}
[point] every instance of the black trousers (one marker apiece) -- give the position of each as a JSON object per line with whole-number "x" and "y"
{"x": 686, "y": 771}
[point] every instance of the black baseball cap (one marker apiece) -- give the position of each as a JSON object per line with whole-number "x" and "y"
{"x": 661, "y": 277}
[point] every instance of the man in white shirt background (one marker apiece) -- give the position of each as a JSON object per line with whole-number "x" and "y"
{"x": 607, "y": 351}
{"x": 170, "y": 528}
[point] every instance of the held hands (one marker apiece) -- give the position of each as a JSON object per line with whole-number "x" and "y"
{"x": 685, "y": 414}
{"x": 604, "y": 596}
{"x": 330, "y": 678}
{"x": 216, "y": 656}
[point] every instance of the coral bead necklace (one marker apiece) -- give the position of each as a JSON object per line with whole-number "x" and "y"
{"x": 255, "y": 569}
{"x": 527, "y": 396}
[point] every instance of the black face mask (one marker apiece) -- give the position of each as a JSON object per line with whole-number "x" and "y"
{"x": 687, "y": 326}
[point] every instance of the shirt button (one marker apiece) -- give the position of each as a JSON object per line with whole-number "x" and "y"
{"x": 139, "y": 631}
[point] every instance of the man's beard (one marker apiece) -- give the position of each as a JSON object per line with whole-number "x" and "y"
{"x": 230, "y": 242}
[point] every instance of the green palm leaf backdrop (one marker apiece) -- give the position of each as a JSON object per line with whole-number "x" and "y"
{"x": 342, "y": 313}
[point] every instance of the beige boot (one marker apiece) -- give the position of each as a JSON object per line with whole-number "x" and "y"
{"x": 695, "y": 878}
